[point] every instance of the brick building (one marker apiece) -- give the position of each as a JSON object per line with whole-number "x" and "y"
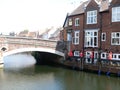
{"x": 94, "y": 27}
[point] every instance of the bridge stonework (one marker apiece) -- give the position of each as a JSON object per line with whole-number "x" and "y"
{"x": 12, "y": 43}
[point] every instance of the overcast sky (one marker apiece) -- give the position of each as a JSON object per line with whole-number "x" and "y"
{"x": 18, "y": 15}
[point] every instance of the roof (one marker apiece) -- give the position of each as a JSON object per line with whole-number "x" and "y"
{"x": 32, "y": 34}
{"x": 104, "y": 5}
{"x": 80, "y": 8}
{"x": 65, "y": 20}
{"x": 46, "y": 31}
{"x": 57, "y": 31}
{"x": 23, "y": 33}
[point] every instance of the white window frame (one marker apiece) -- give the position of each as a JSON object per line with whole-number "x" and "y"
{"x": 76, "y": 53}
{"x": 96, "y": 55}
{"x": 115, "y": 56}
{"x": 114, "y": 37}
{"x": 76, "y": 37}
{"x": 70, "y": 22}
{"x": 87, "y": 53}
{"x": 105, "y": 54}
{"x": 92, "y": 17}
{"x": 77, "y": 21}
{"x": 90, "y": 38}
{"x": 103, "y": 38}
{"x": 116, "y": 14}
{"x": 69, "y": 37}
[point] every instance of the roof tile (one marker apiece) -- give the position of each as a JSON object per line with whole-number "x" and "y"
{"x": 80, "y": 9}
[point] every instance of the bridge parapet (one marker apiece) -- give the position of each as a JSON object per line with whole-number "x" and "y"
{"x": 6, "y": 41}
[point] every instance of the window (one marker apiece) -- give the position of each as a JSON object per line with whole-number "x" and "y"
{"x": 76, "y": 53}
{"x": 69, "y": 37}
{"x": 92, "y": 17}
{"x": 115, "y": 38}
{"x": 77, "y": 22}
{"x": 103, "y": 38}
{"x": 70, "y": 22}
{"x": 95, "y": 55}
{"x": 87, "y": 55}
{"x": 116, "y": 57}
{"x": 103, "y": 55}
{"x": 91, "y": 38}
{"x": 115, "y": 14}
{"x": 76, "y": 37}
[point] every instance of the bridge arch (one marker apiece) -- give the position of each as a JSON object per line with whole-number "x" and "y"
{"x": 13, "y": 45}
{"x": 20, "y": 50}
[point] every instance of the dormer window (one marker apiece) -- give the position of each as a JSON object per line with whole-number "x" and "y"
{"x": 70, "y": 22}
{"x": 92, "y": 17}
{"x": 116, "y": 14}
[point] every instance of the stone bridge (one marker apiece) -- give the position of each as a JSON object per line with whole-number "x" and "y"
{"x": 12, "y": 45}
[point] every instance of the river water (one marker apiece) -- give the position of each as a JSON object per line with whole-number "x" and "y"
{"x": 20, "y": 73}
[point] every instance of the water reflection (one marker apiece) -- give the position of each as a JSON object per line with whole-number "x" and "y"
{"x": 51, "y": 78}
{"x": 26, "y": 80}
{"x": 18, "y": 61}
